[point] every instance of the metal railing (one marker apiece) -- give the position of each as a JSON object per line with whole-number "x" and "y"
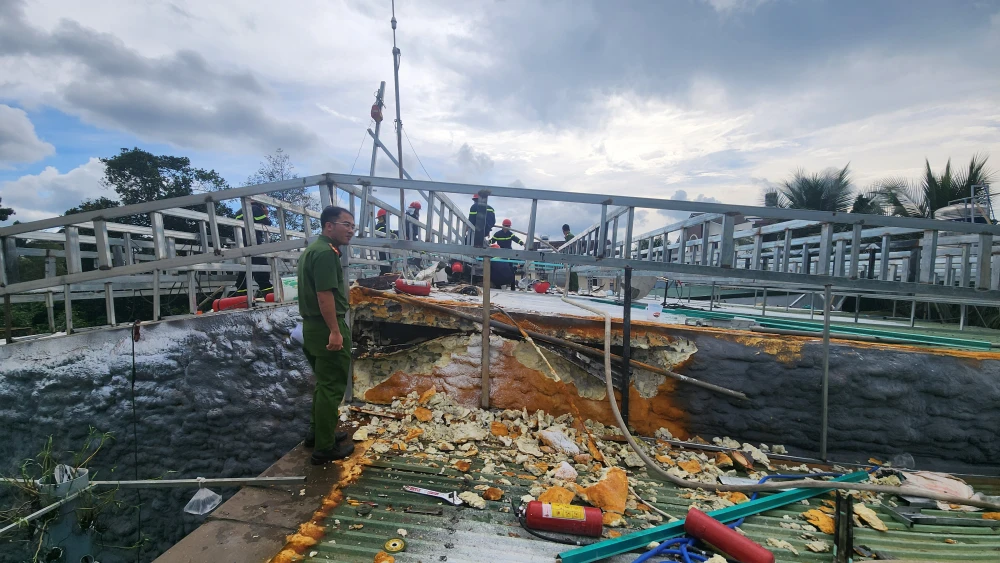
{"x": 784, "y": 248}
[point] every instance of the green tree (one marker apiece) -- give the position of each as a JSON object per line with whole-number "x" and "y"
{"x": 870, "y": 202}
{"x": 139, "y": 176}
{"x": 5, "y": 212}
{"x": 831, "y": 190}
{"x": 93, "y": 205}
{"x": 274, "y": 168}
{"x": 934, "y": 191}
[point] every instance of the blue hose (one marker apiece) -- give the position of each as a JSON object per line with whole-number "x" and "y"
{"x": 684, "y": 543}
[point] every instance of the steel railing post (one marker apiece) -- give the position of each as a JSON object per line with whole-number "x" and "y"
{"x": 928, "y": 256}
{"x": 727, "y": 245}
{"x": 825, "y": 245}
{"x": 983, "y": 252}
{"x": 855, "y": 250}
{"x": 826, "y": 371}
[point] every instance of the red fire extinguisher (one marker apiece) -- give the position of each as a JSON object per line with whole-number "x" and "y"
{"x": 564, "y": 518}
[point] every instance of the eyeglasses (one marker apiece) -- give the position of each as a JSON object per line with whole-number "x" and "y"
{"x": 347, "y": 224}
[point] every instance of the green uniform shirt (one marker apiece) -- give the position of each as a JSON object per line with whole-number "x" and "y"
{"x": 319, "y": 270}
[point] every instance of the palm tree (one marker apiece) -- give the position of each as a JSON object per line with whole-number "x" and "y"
{"x": 869, "y": 202}
{"x": 827, "y": 191}
{"x": 932, "y": 192}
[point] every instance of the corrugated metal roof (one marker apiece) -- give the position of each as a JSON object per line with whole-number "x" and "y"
{"x": 464, "y": 534}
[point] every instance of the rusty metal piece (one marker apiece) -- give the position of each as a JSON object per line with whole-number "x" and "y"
{"x": 428, "y": 512}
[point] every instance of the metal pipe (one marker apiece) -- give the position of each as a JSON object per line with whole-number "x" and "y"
{"x": 200, "y": 482}
{"x": 396, "y": 54}
{"x": 826, "y": 371}
{"x": 627, "y": 342}
{"x": 484, "y": 393}
{"x": 8, "y": 320}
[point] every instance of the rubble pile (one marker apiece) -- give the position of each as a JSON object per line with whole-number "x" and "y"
{"x": 564, "y": 460}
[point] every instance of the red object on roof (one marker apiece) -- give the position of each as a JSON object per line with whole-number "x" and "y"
{"x": 725, "y": 539}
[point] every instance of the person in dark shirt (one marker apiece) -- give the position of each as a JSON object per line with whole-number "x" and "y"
{"x": 491, "y": 220}
{"x": 501, "y": 273}
{"x": 412, "y": 223}
{"x": 504, "y": 236}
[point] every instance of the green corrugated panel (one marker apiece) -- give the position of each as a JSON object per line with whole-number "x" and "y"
{"x": 479, "y": 531}
{"x": 793, "y": 324}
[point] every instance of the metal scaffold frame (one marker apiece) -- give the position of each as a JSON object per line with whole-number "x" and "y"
{"x": 920, "y": 259}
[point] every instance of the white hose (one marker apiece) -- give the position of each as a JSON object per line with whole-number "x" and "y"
{"x": 772, "y": 486}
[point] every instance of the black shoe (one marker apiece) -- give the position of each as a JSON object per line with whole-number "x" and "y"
{"x": 333, "y": 454}
{"x": 310, "y": 441}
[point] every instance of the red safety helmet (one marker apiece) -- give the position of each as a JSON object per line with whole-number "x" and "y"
{"x": 381, "y": 213}
{"x": 494, "y": 245}
{"x": 415, "y": 205}
{"x": 475, "y": 196}
{"x": 506, "y": 222}
{"x": 457, "y": 268}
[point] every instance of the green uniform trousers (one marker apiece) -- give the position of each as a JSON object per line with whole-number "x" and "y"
{"x": 331, "y": 370}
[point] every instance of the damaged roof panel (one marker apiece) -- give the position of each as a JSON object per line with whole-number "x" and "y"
{"x": 466, "y": 534}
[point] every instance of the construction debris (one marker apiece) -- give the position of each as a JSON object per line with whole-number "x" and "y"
{"x": 570, "y": 460}
{"x": 819, "y": 546}
{"x": 472, "y": 499}
{"x": 782, "y": 544}
{"x": 868, "y": 516}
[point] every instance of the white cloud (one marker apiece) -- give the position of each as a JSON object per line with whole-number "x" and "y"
{"x": 728, "y": 7}
{"x": 18, "y": 142}
{"x": 50, "y": 193}
{"x": 494, "y": 93}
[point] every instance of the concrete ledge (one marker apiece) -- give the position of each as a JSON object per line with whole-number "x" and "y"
{"x": 252, "y": 525}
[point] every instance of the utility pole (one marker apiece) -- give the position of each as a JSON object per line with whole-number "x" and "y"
{"x": 396, "y": 55}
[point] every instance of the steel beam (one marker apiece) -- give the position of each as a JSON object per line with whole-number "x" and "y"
{"x": 825, "y": 396}
{"x": 825, "y": 246}
{"x": 484, "y": 361}
{"x": 727, "y": 247}
{"x": 72, "y": 248}
{"x": 839, "y": 254}
{"x": 855, "y": 250}
{"x": 983, "y": 253}
{"x": 103, "y": 248}
{"x": 928, "y": 256}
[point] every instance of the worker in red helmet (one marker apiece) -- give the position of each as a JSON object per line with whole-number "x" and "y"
{"x": 413, "y": 221}
{"x": 382, "y": 227}
{"x": 504, "y": 236}
{"x": 479, "y": 235}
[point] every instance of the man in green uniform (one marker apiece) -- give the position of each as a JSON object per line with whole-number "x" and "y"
{"x": 574, "y": 281}
{"x": 323, "y": 304}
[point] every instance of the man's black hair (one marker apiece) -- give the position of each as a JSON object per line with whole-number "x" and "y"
{"x": 331, "y": 214}
{"x": 566, "y": 226}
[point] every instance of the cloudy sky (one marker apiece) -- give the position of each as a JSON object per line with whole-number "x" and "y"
{"x": 683, "y": 99}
